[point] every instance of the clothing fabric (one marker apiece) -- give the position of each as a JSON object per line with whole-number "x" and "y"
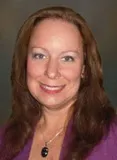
{"x": 105, "y": 150}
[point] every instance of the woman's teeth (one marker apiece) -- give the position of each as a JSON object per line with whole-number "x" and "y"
{"x": 52, "y": 88}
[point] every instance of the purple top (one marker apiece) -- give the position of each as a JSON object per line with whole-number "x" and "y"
{"x": 106, "y": 150}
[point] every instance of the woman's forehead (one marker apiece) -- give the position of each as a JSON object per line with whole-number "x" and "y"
{"x": 56, "y": 32}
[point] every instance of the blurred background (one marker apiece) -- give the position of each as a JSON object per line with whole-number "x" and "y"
{"x": 101, "y": 17}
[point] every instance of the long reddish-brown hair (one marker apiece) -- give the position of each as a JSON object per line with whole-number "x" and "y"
{"x": 93, "y": 112}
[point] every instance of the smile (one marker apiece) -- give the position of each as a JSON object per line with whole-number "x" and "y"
{"x": 52, "y": 89}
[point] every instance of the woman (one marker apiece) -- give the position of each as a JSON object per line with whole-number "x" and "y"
{"x": 59, "y": 107}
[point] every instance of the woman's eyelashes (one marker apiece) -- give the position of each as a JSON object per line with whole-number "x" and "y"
{"x": 68, "y": 58}
{"x": 40, "y": 56}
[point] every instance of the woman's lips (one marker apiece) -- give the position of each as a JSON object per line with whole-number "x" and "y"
{"x": 51, "y": 89}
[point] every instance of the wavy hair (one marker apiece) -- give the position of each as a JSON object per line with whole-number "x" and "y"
{"x": 93, "y": 112}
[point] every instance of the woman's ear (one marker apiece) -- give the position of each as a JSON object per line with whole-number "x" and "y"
{"x": 83, "y": 71}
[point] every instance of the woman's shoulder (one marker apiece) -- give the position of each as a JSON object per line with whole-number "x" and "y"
{"x": 111, "y": 138}
{"x": 107, "y": 148}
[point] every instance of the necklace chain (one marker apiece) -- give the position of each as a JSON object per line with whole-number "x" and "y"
{"x": 52, "y": 139}
{"x": 45, "y": 149}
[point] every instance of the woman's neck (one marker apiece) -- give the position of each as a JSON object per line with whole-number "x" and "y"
{"x": 55, "y": 119}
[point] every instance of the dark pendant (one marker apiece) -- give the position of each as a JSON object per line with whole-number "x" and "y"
{"x": 44, "y": 151}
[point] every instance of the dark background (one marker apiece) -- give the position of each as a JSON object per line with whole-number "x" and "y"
{"x": 101, "y": 16}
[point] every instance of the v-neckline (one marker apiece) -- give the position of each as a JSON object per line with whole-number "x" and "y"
{"x": 25, "y": 153}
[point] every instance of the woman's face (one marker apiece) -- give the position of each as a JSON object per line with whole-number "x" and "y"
{"x": 55, "y": 63}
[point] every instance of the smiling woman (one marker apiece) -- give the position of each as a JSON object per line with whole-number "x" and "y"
{"x": 55, "y": 63}
{"x": 59, "y": 108}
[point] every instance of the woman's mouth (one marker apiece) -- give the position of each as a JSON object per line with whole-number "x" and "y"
{"x": 51, "y": 89}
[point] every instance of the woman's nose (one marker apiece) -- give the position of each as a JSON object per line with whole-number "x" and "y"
{"x": 52, "y": 69}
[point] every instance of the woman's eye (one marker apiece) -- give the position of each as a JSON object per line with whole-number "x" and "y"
{"x": 68, "y": 59}
{"x": 39, "y": 56}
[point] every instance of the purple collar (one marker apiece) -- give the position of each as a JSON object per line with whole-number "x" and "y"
{"x": 105, "y": 150}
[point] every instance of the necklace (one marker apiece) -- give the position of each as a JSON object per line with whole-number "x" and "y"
{"x": 45, "y": 149}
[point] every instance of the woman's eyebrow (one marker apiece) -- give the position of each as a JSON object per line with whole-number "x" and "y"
{"x": 71, "y": 51}
{"x": 38, "y": 48}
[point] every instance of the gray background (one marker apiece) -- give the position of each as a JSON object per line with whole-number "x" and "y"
{"x": 101, "y": 16}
